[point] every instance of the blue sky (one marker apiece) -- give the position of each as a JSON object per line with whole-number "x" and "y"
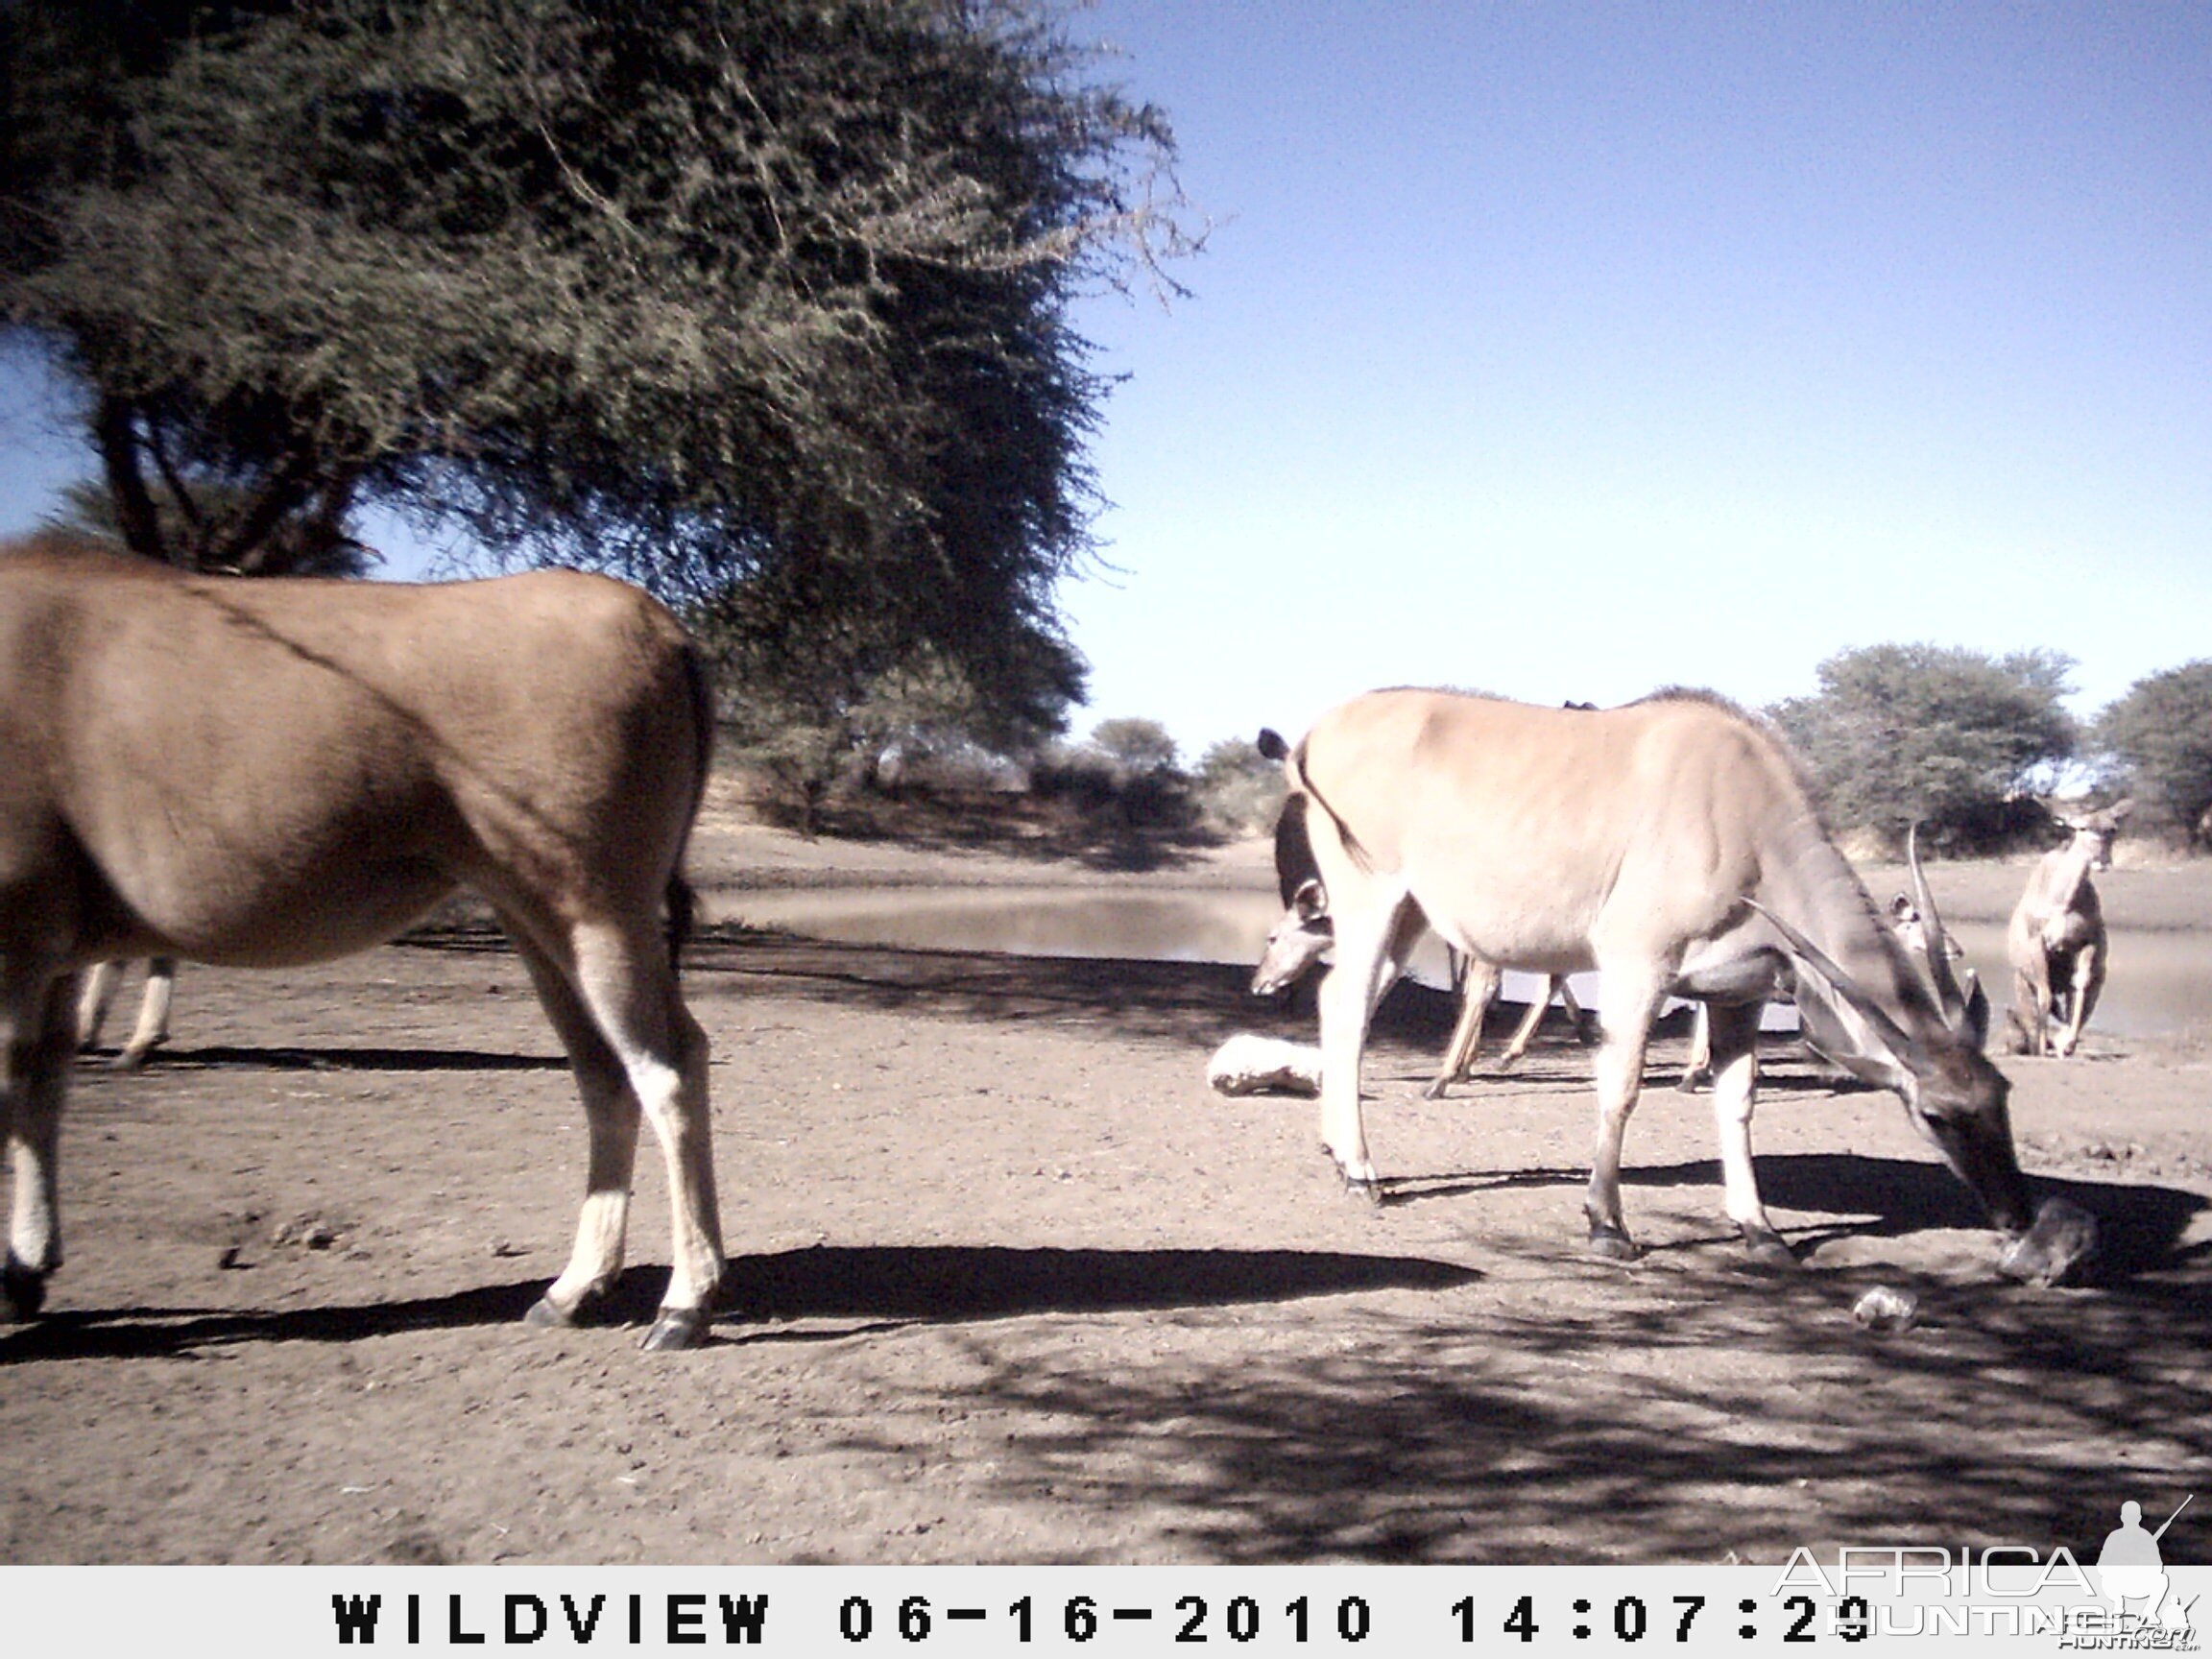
{"x": 1566, "y": 349}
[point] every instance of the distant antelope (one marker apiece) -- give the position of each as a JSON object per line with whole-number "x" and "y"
{"x": 2056, "y": 941}
{"x": 152, "y": 1028}
{"x": 1671, "y": 846}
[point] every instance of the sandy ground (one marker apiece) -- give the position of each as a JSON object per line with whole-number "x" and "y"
{"x": 1009, "y": 1284}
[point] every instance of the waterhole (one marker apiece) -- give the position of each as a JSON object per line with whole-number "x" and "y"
{"x": 2159, "y": 983}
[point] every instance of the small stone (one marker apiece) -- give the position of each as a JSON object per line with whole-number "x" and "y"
{"x": 1882, "y": 1309}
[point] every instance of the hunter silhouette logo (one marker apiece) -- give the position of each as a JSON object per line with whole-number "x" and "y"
{"x": 2130, "y": 1569}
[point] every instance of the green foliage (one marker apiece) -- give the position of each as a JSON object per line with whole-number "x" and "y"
{"x": 1132, "y": 747}
{"x": 707, "y": 292}
{"x": 1125, "y": 774}
{"x": 804, "y": 753}
{"x": 2161, "y": 734}
{"x": 1944, "y": 736}
{"x": 822, "y": 706}
{"x": 1237, "y": 788}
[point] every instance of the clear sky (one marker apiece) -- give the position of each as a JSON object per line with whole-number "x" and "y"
{"x": 1567, "y": 350}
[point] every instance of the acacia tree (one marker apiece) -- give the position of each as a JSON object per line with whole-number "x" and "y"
{"x": 1133, "y": 747}
{"x": 2161, "y": 734}
{"x": 707, "y": 291}
{"x": 1901, "y": 735}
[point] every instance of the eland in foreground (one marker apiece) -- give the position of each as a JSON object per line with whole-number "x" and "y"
{"x": 274, "y": 772}
{"x": 1671, "y": 846}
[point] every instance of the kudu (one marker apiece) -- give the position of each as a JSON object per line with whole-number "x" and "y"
{"x": 152, "y": 1028}
{"x": 2056, "y": 941}
{"x": 273, "y": 772}
{"x": 1303, "y": 935}
{"x": 1671, "y": 846}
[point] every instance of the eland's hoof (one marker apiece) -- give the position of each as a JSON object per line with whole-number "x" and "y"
{"x": 543, "y": 1316}
{"x": 22, "y": 1292}
{"x": 1359, "y": 1179}
{"x": 1768, "y": 1249}
{"x": 1612, "y": 1244}
{"x": 1436, "y": 1089}
{"x": 676, "y": 1327}
{"x": 547, "y": 1314}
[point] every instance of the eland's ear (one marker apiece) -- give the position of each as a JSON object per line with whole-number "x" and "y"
{"x": 1976, "y": 1026}
{"x": 2120, "y": 809}
{"x": 1312, "y": 900}
{"x": 1271, "y": 746}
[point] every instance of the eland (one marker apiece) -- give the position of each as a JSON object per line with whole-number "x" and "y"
{"x": 1670, "y": 845}
{"x": 279, "y": 771}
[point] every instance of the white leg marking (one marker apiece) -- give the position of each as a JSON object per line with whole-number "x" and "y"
{"x": 632, "y": 992}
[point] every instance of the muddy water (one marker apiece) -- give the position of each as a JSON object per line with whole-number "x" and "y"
{"x": 2160, "y": 984}
{"x": 1164, "y": 926}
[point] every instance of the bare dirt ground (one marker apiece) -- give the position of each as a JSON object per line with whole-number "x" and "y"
{"x": 1008, "y": 1283}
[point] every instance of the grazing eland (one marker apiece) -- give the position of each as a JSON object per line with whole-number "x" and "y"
{"x": 279, "y": 771}
{"x": 152, "y": 1028}
{"x": 2056, "y": 941}
{"x": 1671, "y": 846}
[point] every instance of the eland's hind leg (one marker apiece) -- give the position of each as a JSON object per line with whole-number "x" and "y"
{"x": 1734, "y": 1037}
{"x": 43, "y": 1042}
{"x": 625, "y": 977}
{"x": 611, "y": 1114}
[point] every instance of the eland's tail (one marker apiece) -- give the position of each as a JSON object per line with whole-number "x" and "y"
{"x": 680, "y": 899}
